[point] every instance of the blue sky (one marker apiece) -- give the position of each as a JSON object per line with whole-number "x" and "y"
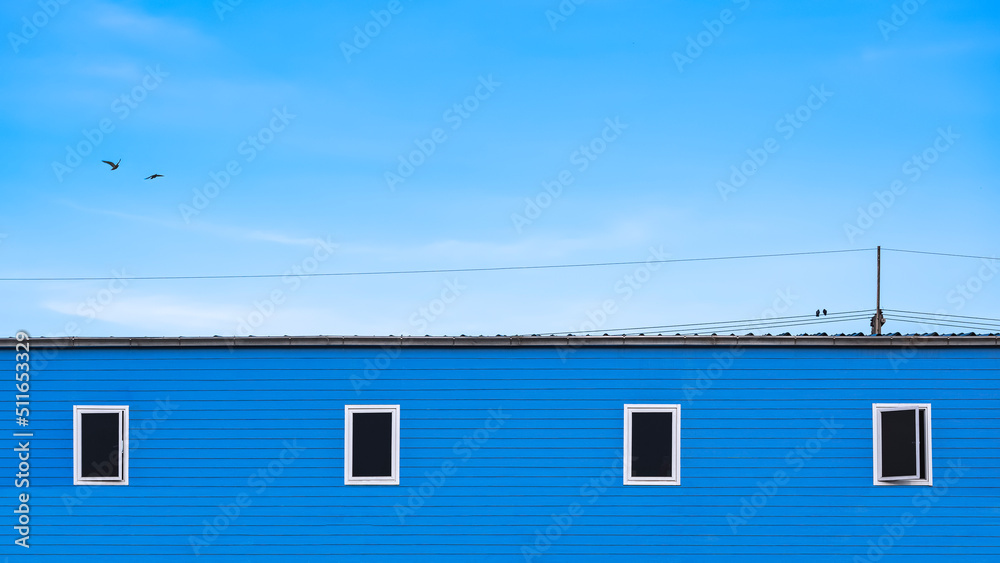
{"x": 376, "y": 135}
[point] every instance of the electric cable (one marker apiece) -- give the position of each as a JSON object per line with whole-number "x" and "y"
{"x": 434, "y": 271}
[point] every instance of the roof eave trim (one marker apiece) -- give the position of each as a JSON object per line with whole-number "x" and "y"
{"x": 509, "y": 341}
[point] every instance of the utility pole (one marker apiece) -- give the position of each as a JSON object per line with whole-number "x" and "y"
{"x": 878, "y": 320}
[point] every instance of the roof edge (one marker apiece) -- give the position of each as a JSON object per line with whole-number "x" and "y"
{"x": 893, "y": 341}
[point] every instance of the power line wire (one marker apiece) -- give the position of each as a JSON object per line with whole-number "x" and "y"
{"x": 766, "y": 326}
{"x": 945, "y": 322}
{"x": 725, "y": 326}
{"x": 745, "y": 325}
{"x": 733, "y": 322}
{"x": 942, "y": 315}
{"x": 487, "y": 269}
{"x": 758, "y": 324}
{"x": 940, "y": 254}
{"x": 436, "y": 271}
{"x": 771, "y": 326}
{"x": 706, "y": 325}
{"x": 958, "y": 327}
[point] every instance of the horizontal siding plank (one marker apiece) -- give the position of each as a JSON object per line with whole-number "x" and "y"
{"x": 168, "y": 436}
{"x": 54, "y": 509}
{"x": 521, "y": 421}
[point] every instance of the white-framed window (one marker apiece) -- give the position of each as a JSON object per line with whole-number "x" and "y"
{"x": 371, "y": 444}
{"x": 901, "y": 444}
{"x": 652, "y": 445}
{"x": 100, "y": 445}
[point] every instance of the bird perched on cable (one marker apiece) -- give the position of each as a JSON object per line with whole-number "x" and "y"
{"x": 154, "y": 176}
{"x": 817, "y": 312}
{"x": 113, "y": 165}
{"x": 824, "y": 312}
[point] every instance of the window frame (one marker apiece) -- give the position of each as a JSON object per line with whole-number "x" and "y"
{"x": 123, "y": 446}
{"x": 926, "y": 447}
{"x": 349, "y": 411}
{"x": 675, "y": 461}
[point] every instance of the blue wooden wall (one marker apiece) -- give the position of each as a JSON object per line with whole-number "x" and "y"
{"x": 511, "y": 454}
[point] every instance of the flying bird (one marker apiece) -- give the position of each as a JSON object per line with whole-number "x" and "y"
{"x": 154, "y": 176}
{"x": 113, "y": 165}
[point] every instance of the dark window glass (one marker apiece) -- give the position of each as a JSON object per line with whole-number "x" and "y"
{"x": 651, "y": 444}
{"x": 899, "y": 442}
{"x": 99, "y": 446}
{"x": 923, "y": 445}
{"x": 372, "y": 436}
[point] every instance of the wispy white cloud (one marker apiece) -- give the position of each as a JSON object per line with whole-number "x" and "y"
{"x": 157, "y": 313}
{"x": 115, "y": 19}
{"x": 234, "y": 233}
{"x": 165, "y": 314}
{"x": 270, "y": 236}
{"x": 931, "y": 50}
{"x": 628, "y": 233}
{"x": 624, "y": 234}
{"x": 128, "y": 71}
{"x": 118, "y": 214}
